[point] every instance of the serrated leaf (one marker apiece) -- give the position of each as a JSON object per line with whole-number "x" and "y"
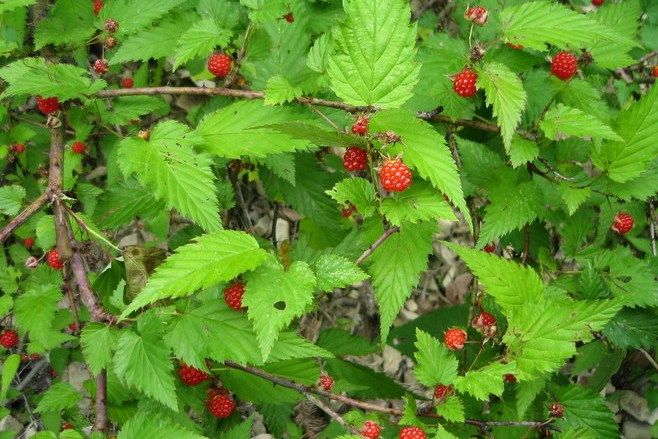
{"x": 317, "y": 135}
{"x": 435, "y": 364}
{"x": 142, "y": 361}
{"x": 395, "y": 269}
{"x": 127, "y": 108}
{"x": 335, "y": 271}
{"x": 561, "y": 122}
{"x": 451, "y": 409}
{"x": 573, "y": 197}
{"x": 200, "y": 40}
{"x": 425, "y": 150}
{"x": 134, "y": 16}
{"x": 11, "y": 199}
{"x": 418, "y": 203}
{"x": 211, "y": 259}
{"x": 442, "y": 433}
{"x": 240, "y": 431}
{"x": 36, "y": 76}
{"x": 58, "y": 397}
{"x": 504, "y": 92}
{"x": 357, "y": 191}
{"x": 510, "y": 284}
{"x": 274, "y": 297}
{"x": 292, "y": 346}
{"x": 318, "y": 56}
{"x": 279, "y": 91}
{"x": 522, "y": 151}
{"x": 65, "y": 15}
{"x": 150, "y": 424}
{"x": 34, "y": 312}
{"x": 152, "y": 43}
{"x": 624, "y": 18}
{"x": 373, "y": 62}
{"x": 633, "y": 328}
{"x": 98, "y": 341}
{"x": 9, "y": 370}
{"x": 485, "y": 381}
{"x": 168, "y": 165}
{"x": 341, "y": 343}
{"x": 240, "y": 129}
{"x": 10, "y": 5}
{"x": 526, "y": 392}
{"x": 586, "y": 409}
{"x": 123, "y": 202}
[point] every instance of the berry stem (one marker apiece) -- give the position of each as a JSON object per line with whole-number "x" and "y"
{"x": 370, "y": 250}
{"x": 100, "y": 421}
{"x": 236, "y": 66}
{"x": 328, "y": 410}
{"x": 30, "y": 210}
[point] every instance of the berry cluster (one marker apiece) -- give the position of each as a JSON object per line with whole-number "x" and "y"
{"x": 17, "y": 148}
{"x": 220, "y": 406}
{"x": 455, "y": 338}
{"x": 564, "y": 65}
{"x": 355, "y": 159}
{"x": 477, "y": 14}
{"x": 220, "y": 64}
{"x": 47, "y": 105}
{"x": 28, "y": 242}
{"x": 412, "y": 433}
{"x": 360, "y": 126}
{"x": 623, "y": 223}
{"x": 441, "y": 391}
{"x": 53, "y": 260}
{"x": 8, "y": 338}
{"x": 127, "y": 82}
{"x": 556, "y": 409}
{"x": 78, "y": 147}
{"x": 395, "y": 176}
{"x": 371, "y": 430}
{"x": 463, "y": 83}
{"x": 326, "y": 382}
{"x": 97, "y": 5}
{"x": 190, "y": 375}
{"x": 490, "y": 248}
{"x": 485, "y": 324}
{"x": 233, "y": 295}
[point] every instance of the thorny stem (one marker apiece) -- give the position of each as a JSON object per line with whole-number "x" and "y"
{"x": 30, "y": 210}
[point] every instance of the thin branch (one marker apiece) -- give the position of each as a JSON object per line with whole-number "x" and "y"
{"x": 652, "y": 226}
{"x": 649, "y": 358}
{"x": 275, "y": 218}
{"x": 239, "y": 197}
{"x": 100, "y": 421}
{"x": 238, "y": 60}
{"x": 19, "y": 219}
{"x": 453, "y": 147}
{"x": 87, "y": 295}
{"x": 369, "y": 251}
{"x": 36, "y": 368}
{"x": 526, "y": 244}
{"x": 328, "y": 410}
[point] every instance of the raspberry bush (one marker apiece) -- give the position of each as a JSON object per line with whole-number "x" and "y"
{"x": 328, "y": 218}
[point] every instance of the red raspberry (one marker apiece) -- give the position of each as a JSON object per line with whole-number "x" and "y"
{"x": 412, "y": 433}
{"x": 355, "y": 159}
{"x": 455, "y": 338}
{"x": 564, "y": 65}
{"x": 8, "y": 338}
{"x": 360, "y": 126}
{"x": 101, "y": 66}
{"x": 28, "y": 242}
{"x": 509, "y": 378}
{"x": 220, "y": 406}
{"x": 127, "y": 82}
{"x": 371, "y": 430}
{"x": 53, "y": 260}
{"x": 111, "y": 26}
{"x": 346, "y": 212}
{"x": 395, "y": 176}
{"x": 623, "y": 223}
{"x": 597, "y": 2}
{"x": 191, "y": 376}
{"x": 654, "y": 71}
{"x": 52, "y": 372}
{"x": 219, "y": 64}
{"x": 490, "y": 248}
{"x": 110, "y": 42}
{"x": 441, "y": 391}
{"x": 477, "y": 14}
{"x": 47, "y": 105}
{"x": 73, "y": 327}
{"x": 556, "y": 409}
{"x": 78, "y": 148}
{"x": 18, "y": 148}
{"x": 233, "y": 295}
{"x": 97, "y": 6}
{"x": 463, "y": 83}
{"x": 485, "y": 323}
{"x": 326, "y": 382}
{"x": 67, "y": 426}
{"x": 289, "y": 17}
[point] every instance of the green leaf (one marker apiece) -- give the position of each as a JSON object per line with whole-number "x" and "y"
{"x": 241, "y": 129}
{"x": 279, "y": 91}
{"x": 292, "y": 346}
{"x": 573, "y": 197}
{"x": 317, "y": 134}
{"x": 451, "y": 409}
{"x": 36, "y": 76}
{"x": 64, "y": 16}
{"x": 538, "y": 23}
{"x": 418, "y": 203}
{"x": 274, "y": 297}
{"x": 357, "y": 191}
{"x": 510, "y": 284}
{"x": 121, "y": 203}
{"x": 504, "y": 91}
{"x": 153, "y": 43}
{"x": 373, "y": 62}
{"x": 133, "y": 16}
{"x": 522, "y": 151}
{"x": 10, "y": 5}
{"x": 342, "y": 343}
{"x": 425, "y": 150}
{"x": 142, "y": 361}
{"x": 240, "y": 431}
{"x": 541, "y": 335}
{"x": 561, "y": 122}
{"x": 200, "y": 40}
{"x": 318, "y": 56}
{"x": 150, "y": 424}
{"x": 11, "y": 199}
{"x": 486, "y": 381}
{"x": 58, "y": 397}
{"x": 34, "y": 311}
{"x": 586, "y": 409}
{"x": 335, "y": 271}
{"x": 435, "y": 364}
{"x": 442, "y": 433}
{"x": 624, "y": 18}
{"x": 526, "y": 392}
{"x": 213, "y": 258}
{"x": 396, "y": 266}
{"x": 98, "y": 341}
{"x": 9, "y": 369}
{"x": 633, "y": 328}
{"x": 127, "y": 108}
{"x": 168, "y": 165}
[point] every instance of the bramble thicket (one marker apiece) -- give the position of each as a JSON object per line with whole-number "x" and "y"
{"x": 328, "y": 219}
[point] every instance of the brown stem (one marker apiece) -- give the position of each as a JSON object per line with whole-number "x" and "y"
{"x": 369, "y": 251}
{"x": 233, "y": 172}
{"x": 328, "y": 410}
{"x": 238, "y": 60}
{"x": 652, "y": 226}
{"x": 649, "y": 358}
{"x": 100, "y": 422}
{"x": 19, "y": 219}
{"x": 482, "y": 126}
{"x": 87, "y": 295}
{"x": 526, "y": 244}
{"x": 453, "y": 147}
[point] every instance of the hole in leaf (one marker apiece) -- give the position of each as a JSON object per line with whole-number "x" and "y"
{"x": 280, "y": 305}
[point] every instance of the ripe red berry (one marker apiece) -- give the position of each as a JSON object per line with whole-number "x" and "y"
{"x": 97, "y": 6}
{"x": 289, "y": 17}
{"x": 53, "y": 260}
{"x": 127, "y": 82}
{"x": 8, "y": 338}
{"x": 371, "y": 430}
{"x": 654, "y": 71}
{"x": 326, "y": 382}
{"x": 233, "y": 295}
{"x": 463, "y": 83}
{"x": 101, "y": 66}
{"x": 509, "y": 378}
{"x": 190, "y": 375}
{"x": 556, "y": 409}
{"x": 47, "y": 105}
{"x": 412, "y": 433}
{"x": 67, "y": 426}
{"x": 360, "y": 126}
{"x": 219, "y": 64}
{"x": 111, "y": 25}
{"x": 485, "y": 323}
{"x": 597, "y": 2}
{"x": 395, "y": 176}
{"x": 477, "y": 14}
{"x": 623, "y": 223}
{"x": 220, "y": 406}
{"x": 28, "y": 242}
{"x": 441, "y": 391}
{"x": 564, "y": 65}
{"x": 355, "y": 159}
{"x": 18, "y": 148}
{"x": 78, "y": 147}
{"x": 346, "y": 212}
{"x": 490, "y": 248}
{"x": 455, "y": 338}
